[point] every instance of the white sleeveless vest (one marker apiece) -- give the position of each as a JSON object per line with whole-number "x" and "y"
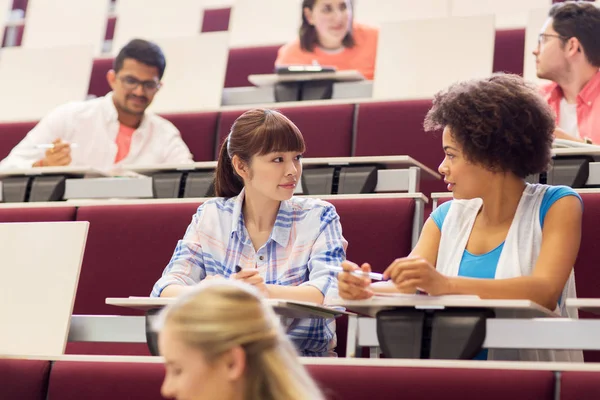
{"x": 519, "y": 254}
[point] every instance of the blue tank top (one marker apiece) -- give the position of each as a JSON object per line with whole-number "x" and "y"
{"x": 484, "y": 266}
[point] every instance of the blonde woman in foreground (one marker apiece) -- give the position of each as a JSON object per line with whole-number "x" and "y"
{"x": 221, "y": 341}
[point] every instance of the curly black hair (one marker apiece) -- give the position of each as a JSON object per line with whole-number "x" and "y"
{"x": 501, "y": 122}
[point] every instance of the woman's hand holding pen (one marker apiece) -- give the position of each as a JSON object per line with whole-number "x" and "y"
{"x": 251, "y": 277}
{"x": 410, "y": 274}
{"x": 351, "y": 286}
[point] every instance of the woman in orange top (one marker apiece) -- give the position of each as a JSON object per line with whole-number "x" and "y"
{"x": 328, "y": 36}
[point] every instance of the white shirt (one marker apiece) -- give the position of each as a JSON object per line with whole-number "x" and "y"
{"x": 93, "y": 125}
{"x": 567, "y": 120}
{"x": 519, "y": 255}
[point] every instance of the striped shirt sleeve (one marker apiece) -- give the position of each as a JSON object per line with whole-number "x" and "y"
{"x": 186, "y": 267}
{"x": 329, "y": 249}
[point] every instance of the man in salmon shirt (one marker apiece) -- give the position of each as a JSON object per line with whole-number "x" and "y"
{"x": 568, "y": 54}
{"x": 328, "y": 36}
{"x": 110, "y": 131}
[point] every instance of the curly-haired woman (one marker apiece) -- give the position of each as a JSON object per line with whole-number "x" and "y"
{"x": 500, "y": 238}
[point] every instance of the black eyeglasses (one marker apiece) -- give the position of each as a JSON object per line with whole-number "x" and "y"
{"x": 542, "y": 38}
{"x": 130, "y": 83}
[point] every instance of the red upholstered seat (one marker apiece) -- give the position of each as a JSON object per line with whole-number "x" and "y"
{"x": 587, "y": 274}
{"x": 579, "y": 385}
{"x": 248, "y": 61}
{"x": 11, "y": 134}
{"x": 24, "y": 379}
{"x": 38, "y": 214}
{"x": 119, "y": 381}
{"x": 19, "y": 5}
{"x": 508, "y": 51}
{"x": 327, "y": 130}
{"x": 396, "y": 128}
{"x": 110, "y": 28}
{"x": 370, "y": 382}
{"x": 108, "y": 348}
{"x": 71, "y": 380}
{"x": 216, "y": 20}
{"x": 365, "y": 222}
{"x": 128, "y": 247}
{"x": 377, "y": 230}
{"x": 98, "y": 84}
{"x": 198, "y": 131}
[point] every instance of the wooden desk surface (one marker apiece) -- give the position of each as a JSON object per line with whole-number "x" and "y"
{"x": 503, "y": 308}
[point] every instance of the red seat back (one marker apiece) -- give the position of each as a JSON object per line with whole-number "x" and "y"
{"x": 327, "y": 130}
{"x": 24, "y": 379}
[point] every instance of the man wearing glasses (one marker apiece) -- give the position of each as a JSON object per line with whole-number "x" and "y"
{"x": 110, "y": 131}
{"x": 568, "y": 54}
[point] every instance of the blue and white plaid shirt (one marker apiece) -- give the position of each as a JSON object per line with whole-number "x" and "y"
{"x": 305, "y": 240}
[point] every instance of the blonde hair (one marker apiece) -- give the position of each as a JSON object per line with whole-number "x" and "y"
{"x": 219, "y": 315}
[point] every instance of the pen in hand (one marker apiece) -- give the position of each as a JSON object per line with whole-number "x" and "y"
{"x": 373, "y": 275}
{"x": 51, "y": 145}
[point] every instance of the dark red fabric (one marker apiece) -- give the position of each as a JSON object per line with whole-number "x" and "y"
{"x": 587, "y": 274}
{"x": 98, "y": 84}
{"x": 359, "y": 219}
{"x": 360, "y": 382}
{"x": 198, "y": 131}
{"x": 24, "y": 379}
{"x": 508, "y": 51}
{"x": 396, "y": 128}
{"x": 108, "y": 348}
{"x": 20, "y": 5}
{"x": 579, "y": 385}
{"x": 327, "y": 129}
{"x": 110, "y": 28}
{"x": 249, "y": 61}
{"x": 70, "y": 380}
{"x": 11, "y": 134}
{"x": 377, "y": 230}
{"x": 41, "y": 214}
{"x": 216, "y": 20}
{"x": 128, "y": 247}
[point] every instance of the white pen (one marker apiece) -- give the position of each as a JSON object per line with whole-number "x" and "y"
{"x": 51, "y": 145}
{"x": 373, "y": 275}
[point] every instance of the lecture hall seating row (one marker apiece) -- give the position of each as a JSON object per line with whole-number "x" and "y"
{"x": 128, "y": 260}
{"x": 334, "y": 130}
{"x": 128, "y": 247}
{"x": 73, "y": 380}
{"x": 508, "y": 57}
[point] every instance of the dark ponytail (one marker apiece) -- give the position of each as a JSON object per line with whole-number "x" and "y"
{"x": 227, "y": 182}
{"x": 256, "y": 132}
